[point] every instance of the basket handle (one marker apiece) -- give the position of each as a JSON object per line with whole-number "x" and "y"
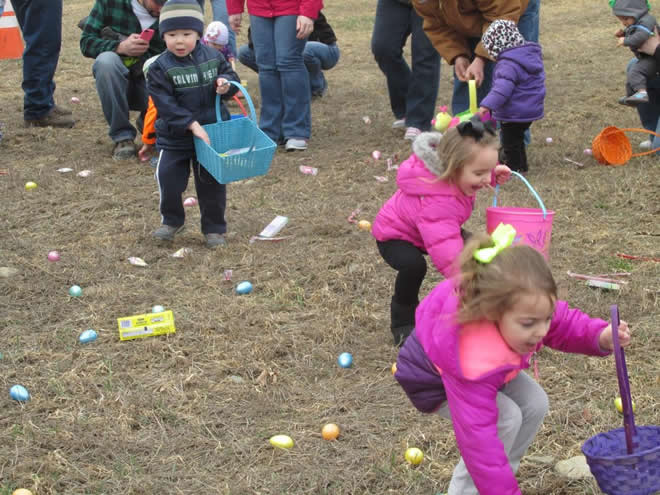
{"x": 635, "y": 129}
{"x": 529, "y": 186}
{"x": 253, "y": 115}
{"x": 472, "y": 90}
{"x": 624, "y": 383}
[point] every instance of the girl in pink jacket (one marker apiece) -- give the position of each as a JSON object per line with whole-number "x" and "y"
{"x": 437, "y": 188}
{"x": 474, "y": 335}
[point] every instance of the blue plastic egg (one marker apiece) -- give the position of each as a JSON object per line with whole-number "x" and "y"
{"x": 244, "y": 287}
{"x": 345, "y": 360}
{"x": 19, "y": 393}
{"x": 87, "y": 336}
{"x": 157, "y": 309}
{"x": 75, "y": 291}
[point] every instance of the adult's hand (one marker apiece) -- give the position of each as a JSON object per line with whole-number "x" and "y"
{"x": 650, "y": 45}
{"x": 461, "y": 64}
{"x": 476, "y": 70}
{"x": 304, "y": 27}
{"x": 235, "y": 22}
{"x": 133, "y": 46}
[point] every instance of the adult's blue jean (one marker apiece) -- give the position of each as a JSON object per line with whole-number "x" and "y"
{"x": 119, "y": 93}
{"x": 219, "y": 8}
{"x": 528, "y": 25}
{"x": 649, "y": 113}
{"x": 283, "y": 80}
{"x": 412, "y": 92}
{"x": 317, "y": 57}
{"x": 41, "y": 23}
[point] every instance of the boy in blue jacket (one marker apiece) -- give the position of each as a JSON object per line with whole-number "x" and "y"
{"x": 183, "y": 82}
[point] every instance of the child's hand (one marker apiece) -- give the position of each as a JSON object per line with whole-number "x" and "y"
{"x": 222, "y": 86}
{"x": 619, "y": 41}
{"x": 605, "y": 339}
{"x": 502, "y": 174}
{"x": 619, "y": 34}
{"x": 199, "y": 132}
{"x": 145, "y": 151}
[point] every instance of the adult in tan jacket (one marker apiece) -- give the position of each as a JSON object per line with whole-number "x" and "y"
{"x": 455, "y": 28}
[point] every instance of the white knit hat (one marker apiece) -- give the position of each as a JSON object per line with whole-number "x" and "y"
{"x": 217, "y": 33}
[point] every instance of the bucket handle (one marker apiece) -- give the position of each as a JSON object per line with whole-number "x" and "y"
{"x": 529, "y": 186}
{"x": 624, "y": 383}
{"x": 252, "y": 116}
{"x": 642, "y": 153}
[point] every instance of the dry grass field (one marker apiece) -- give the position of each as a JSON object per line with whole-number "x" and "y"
{"x": 192, "y": 412}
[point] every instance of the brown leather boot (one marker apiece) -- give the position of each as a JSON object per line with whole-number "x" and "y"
{"x": 51, "y": 119}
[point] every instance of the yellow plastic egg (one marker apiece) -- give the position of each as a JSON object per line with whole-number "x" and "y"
{"x": 281, "y": 441}
{"x": 330, "y": 431}
{"x": 414, "y": 456}
{"x": 22, "y": 491}
{"x": 30, "y": 185}
{"x": 364, "y": 225}
{"x": 393, "y": 368}
{"x": 619, "y": 405}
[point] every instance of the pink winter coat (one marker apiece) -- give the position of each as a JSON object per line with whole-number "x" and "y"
{"x": 472, "y": 398}
{"x": 276, "y": 8}
{"x": 425, "y": 211}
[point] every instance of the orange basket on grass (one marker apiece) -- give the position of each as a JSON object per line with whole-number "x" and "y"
{"x": 612, "y": 147}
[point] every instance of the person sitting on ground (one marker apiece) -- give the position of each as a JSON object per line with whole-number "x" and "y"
{"x": 118, "y": 63}
{"x": 183, "y": 83}
{"x": 321, "y": 53}
{"x": 639, "y": 26}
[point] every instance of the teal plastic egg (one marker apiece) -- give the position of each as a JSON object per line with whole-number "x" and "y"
{"x": 19, "y": 393}
{"x": 87, "y": 336}
{"x": 244, "y": 287}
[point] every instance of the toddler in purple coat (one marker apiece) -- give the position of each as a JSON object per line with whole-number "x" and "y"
{"x": 437, "y": 188}
{"x": 516, "y": 97}
{"x": 475, "y": 333}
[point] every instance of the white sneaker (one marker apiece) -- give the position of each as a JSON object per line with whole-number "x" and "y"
{"x": 645, "y": 145}
{"x": 294, "y": 144}
{"x": 399, "y": 124}
{"x": 412, "y": 133}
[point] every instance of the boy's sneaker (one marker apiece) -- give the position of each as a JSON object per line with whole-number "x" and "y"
{"x": 646, "y": 145}
{"x": 167, "y": 232}
{"x": 399, "y": 124}
{"x": 412, "y": 133}
{"x": 215, "y": 240}
{"x": 124, "y": 150}
{"x": 635, "y": 99}
{"x": 293, "y": 144}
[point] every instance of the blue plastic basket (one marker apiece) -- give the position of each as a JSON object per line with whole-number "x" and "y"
{"x": 235, "y": 134}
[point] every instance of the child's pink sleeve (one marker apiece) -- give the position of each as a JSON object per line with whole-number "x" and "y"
{"x": 571, "y": 330}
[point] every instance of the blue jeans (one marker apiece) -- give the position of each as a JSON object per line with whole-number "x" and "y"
{"x": 283, "y": 80}
{"x": 119, "y": 93}
{"x": 317, "y": 56}
{"x": 219, "y": 8}
{"x": 649, "y": 113}
{"x": 412, "y": 92}
{"x": 528, "y": 25}
{"x": 41, "y": 23}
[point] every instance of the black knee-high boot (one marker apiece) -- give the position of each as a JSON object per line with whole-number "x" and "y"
{"x": 403, "y": 320}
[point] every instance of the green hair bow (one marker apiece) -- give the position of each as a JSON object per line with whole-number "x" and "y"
{"x": 503, "y": 237}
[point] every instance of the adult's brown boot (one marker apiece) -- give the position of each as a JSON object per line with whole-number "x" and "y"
{"x": 51, "y": 119}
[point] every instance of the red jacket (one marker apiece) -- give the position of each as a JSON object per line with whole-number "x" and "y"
{"x": 276, "y": 8}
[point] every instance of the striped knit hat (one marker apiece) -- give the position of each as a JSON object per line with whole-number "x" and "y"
{"x": 181, "y": 14}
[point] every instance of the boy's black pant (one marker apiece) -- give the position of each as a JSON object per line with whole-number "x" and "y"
{"x": 513, "y": 151}
{"x": 172, "y": 174}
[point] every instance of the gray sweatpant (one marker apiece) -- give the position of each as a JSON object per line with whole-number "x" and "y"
{"x": 522, "y": 405}
{"x": 639, "y": 73}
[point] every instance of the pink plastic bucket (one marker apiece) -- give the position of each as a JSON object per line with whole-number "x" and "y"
{"x": 533, "y": 225}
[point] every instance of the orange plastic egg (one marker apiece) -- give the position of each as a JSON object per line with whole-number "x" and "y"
{"x": 330, "y": 431}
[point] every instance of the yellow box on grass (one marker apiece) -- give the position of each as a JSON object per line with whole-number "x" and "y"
{"x": 147, "y": 325}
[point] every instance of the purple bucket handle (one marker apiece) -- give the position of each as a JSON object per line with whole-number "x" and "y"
{"x": 624, "y": 383}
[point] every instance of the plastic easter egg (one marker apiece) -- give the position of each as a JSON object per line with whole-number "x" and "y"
{"x": 345, "y": 360}
{"x": 157, "y": 309}
{"x": 393, "y": 368}
{"x": 244, "y": 287}
{"x": 75, "y": 99}
{"x": 618, "y": 403}
{"x": 281, "y": 441}
{"x": 364, "y": 225}
{"x": 53, "y": 256}
{"x": 330, "y": 431}
{"x": 19, "y": 393}
{"x": 588, "y": 151}
{"x": 548, "y": 140}
{"x": 75, "y": 291}
{"x": 376, "y": 155}
{"x": 87, "y": 336}
{"x": 30, "y": 185}
{"x": 414, "y": 456}
{"x": 190, "y": 201}
{"x": 21, "y": 491}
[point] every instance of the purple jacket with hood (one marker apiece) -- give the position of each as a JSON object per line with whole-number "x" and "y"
{"x": 518, "y": 88}
{"x": 434, "y": 344}
{"x": 426, "y": 211}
